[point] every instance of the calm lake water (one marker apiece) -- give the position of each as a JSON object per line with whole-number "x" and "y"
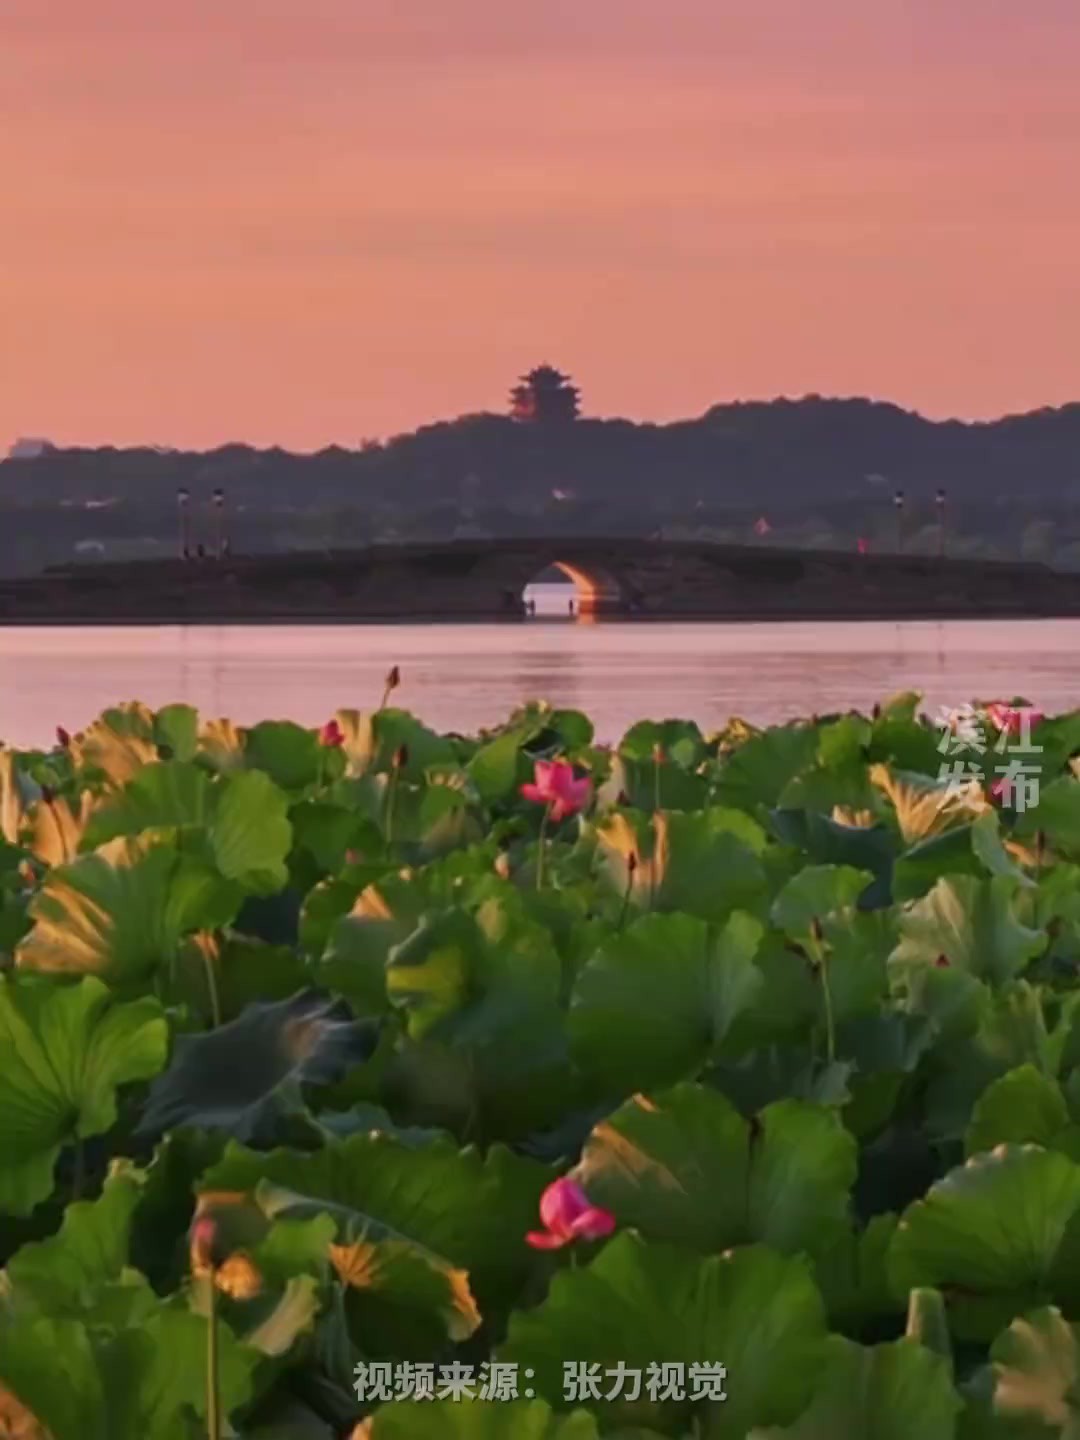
{"x": 462, "y": 677}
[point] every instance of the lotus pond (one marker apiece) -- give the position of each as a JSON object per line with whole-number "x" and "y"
{"x": 374, "y": 1047}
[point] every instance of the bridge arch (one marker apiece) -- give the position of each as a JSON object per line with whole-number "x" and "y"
{"x": 596, "y": 591}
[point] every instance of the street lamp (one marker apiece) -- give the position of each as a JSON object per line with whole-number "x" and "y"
{"x": 219, "y": 523}
{"x": 183, "y": 498}
{"x": 898, "y": 503}
{"x": 940, "y": 501}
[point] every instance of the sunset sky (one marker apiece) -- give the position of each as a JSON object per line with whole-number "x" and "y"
{"x": 310, "y": 221}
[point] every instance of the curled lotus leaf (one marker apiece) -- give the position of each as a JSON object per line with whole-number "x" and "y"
{"x": 118, "y": 744}
{"x": 245, "y": 1076}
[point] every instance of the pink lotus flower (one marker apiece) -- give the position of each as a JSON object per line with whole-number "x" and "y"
{"x": 568, "y": 1215}
{"x": 556, "y": 786}
{"x": 331, "y": 735}
{"x": 1011, "y": 718}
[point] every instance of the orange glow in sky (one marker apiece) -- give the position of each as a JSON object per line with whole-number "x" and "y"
{"x": 311, "y": 221}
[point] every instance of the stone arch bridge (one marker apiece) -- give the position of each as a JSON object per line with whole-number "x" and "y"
{"x": 484, "y": 580}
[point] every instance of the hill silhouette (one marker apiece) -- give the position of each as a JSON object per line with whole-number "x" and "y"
{"x": 812, "y": 465}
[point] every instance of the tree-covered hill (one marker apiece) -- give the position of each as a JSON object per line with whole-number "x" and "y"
{"x": 814, "y": 463}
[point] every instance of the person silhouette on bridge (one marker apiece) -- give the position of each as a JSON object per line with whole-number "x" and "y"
{"x": 571, "y": 606}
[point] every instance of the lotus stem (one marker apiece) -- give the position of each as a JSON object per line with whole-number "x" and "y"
{"x": 393, "y": 680}
{"x": 542, "y": 848}
{"x": 213, "y": 1379}
{"x": 391, "y": 796}
{"x": 211, "y": 986}
{"x": 631, "y": 868}
{"x": 819, "y": 954}
{"x": 657, "y": 758}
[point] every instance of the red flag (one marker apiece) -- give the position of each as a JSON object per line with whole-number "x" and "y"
{"x": 863, "y": 546}
{"x": 762, "y": 526}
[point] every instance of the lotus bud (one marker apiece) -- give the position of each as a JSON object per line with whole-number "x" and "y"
{"x": 631, "y": 862}
{"x": 63, "y": 737}
{"x": 502, "y": 865}
{"x": 401, "y": 757}
{"x": 202, "y": 1240}
{"x": 393, "y": 679}
{"x": 658, "y": 754}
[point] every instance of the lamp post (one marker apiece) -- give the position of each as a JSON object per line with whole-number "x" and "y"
{"x": 898, "y": 504}
{"x": 183, "y": 498}
{"x": 940, "y": 502}
{"x": 219, "y": 524}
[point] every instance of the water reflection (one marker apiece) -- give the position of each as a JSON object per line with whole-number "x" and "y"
{"x": 464, "y": 677}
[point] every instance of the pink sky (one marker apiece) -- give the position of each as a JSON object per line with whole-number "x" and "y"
{"x": 310, "y": 221}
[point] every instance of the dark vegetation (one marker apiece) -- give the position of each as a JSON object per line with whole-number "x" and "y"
{"x": 823, "y": 472}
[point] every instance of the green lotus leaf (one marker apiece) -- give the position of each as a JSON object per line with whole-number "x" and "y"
{"x": 53, "y": 829}
{"x": 478, "y": 1419}
{"x": 973, "y": 924}
{"x": 121, "y": 912}
{"x": 163, "y": 795}
{"x": 66, "y": 1051}
{"x": 990, "y": 1233}
{"x": 49, "y": 1367}
{"x": 814, "y": 894}
{"x": 988, "y": 1034}
{"x": 374, "y": 738}
{"x": 655, "y": 1002}
{"x": 221, "y": 745}
{"x": 1057, "y": 816}
{"x": 756, "y": 773}
{"x": 292, "y": 1420}
{"x": 117, "y": 745}
{"x": 432, "y": 1225}
{"x": 287, "y": 753}
{"x": 899, "y": 738}
{"x": 645, "y": 1304}
{"x": 830, "y": 842}
{"x": 1037, "y": 1372}
{"x": 329, "y": 902}
{"x": 246, "y": 1076}
{"x": 325, "y": 835}
{"x": 838, "y": 779}
{"x": 886, "y": 1392}
{"x": 157, "y": 1374}
{"x": 496, "y": 769}
{"x": 83, "y": 1271}
{"x": 364, "y": 1118}
{"x": 679, "y": 741}
{"x": 176, "y": 731}
{"x": 473, "y": 1210}
{"x": 354, "y": 964}
{"x": 649, "y": 784}
{"x": 972, "y": 849}
{"x": 377, "y": 916}
{"x": 684, "y": 1166}
{"x": 1024, "y": 1106}
{"x": 706, "y": 864}
{"x": 922, "y": 806}
{"x": 17, "y": 793}
{"x": 218, "y": 974}
{"x": 480, "y": 997}
{"x": 920, "y": 868}
{"x": 851, "y": 1266}
{"x": 251, "y": 835}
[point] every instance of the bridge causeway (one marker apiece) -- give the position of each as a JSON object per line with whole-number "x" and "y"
{"x": 484, "y": 580}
